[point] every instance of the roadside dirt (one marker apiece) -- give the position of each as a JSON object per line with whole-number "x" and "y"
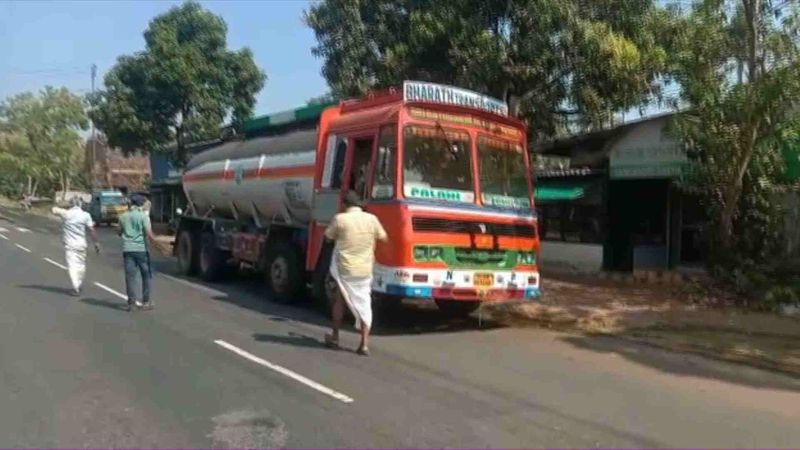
{"x": 662, "y": 316}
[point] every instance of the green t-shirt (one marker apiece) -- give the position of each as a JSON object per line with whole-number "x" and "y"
{"x": 133, "y": 229}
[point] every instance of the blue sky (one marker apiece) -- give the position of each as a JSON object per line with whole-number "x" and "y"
{"x": 55, "y": 43}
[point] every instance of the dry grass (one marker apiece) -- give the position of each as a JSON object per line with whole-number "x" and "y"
{"x": 664, "y": 316}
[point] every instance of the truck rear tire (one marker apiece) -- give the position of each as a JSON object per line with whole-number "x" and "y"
{"x": 457, "y": 308}
{"x": 284, "y": 273}
{"x": 211, "y": 260}
{"x": 187, "y": 253}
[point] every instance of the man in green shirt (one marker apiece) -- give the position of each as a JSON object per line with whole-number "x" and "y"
{"x": 134, "y": 228}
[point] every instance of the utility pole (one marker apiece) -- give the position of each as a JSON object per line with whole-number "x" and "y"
{"x": 94, "y": 137}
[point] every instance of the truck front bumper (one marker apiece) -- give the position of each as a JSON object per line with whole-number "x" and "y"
{"x": 409, "y": 282}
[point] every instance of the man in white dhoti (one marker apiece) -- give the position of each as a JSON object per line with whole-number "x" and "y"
{"x": 75, "y": 222}
{"x": 355, "y": 233}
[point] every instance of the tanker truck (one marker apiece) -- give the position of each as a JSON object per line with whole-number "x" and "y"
{"x": 445, "y": 170}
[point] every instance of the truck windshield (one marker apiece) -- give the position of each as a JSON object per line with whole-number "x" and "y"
{"x": 503, "y": 173}
{"x": 114, "y": 200}
{"x": 437, "y": 164}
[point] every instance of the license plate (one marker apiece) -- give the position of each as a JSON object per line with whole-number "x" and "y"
{"x": 484, "y": 279}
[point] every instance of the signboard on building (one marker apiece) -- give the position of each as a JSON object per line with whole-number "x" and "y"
{"x": 645, "y": 151}
{"x": 648, "y": 163}
{"x": 420, "y": 91}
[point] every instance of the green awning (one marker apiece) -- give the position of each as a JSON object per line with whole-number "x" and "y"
{"x": 791, "y": 154}
{"x": 560, "y": 190}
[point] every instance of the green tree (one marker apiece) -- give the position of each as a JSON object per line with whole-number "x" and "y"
{"x": 737, "y": 64}
{"x": 180, "y": 88}
{"x": 554, "y": 61}
{"x": 40, "y": 138}
{"x": 323, "y": 99}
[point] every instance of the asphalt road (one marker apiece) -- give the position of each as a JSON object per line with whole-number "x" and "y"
{"x": 217, "y": 365}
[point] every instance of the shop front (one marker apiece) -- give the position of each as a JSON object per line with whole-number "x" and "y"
{"x": 621, "y": 205}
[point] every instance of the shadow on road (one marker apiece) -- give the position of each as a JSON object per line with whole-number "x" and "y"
{"x": 53, "y": 289}
{"x": 684, "y": 364}
{"x": 423, "y": 318}
{"x": 293, "y": 339}
{"x": 246, "y": 290}
{"x": 119, "y": 306}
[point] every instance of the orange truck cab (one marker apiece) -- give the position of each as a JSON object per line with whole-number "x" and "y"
{"x": 447, "y": 173}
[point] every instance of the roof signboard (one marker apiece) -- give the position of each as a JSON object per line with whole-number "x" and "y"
{"x": 421, "y": 91}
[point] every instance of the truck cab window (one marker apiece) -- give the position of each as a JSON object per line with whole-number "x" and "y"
{"x": 362, "y": 155}
{"x": 338, "y": 165}
{"x": 383, "y": 187}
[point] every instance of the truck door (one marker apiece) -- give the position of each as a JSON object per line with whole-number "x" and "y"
{"x": 347, "y": 166}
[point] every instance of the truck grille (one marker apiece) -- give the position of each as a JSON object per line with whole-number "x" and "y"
{"x": 466, "y": 255}
{"x": 430, "y": 225}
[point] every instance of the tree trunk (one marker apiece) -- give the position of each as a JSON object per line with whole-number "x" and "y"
{"x": 64, "y": 185}
{"x": 180, "y": 148}
{"x": 61, "y": 184}
{"x": 752, "y": 10}
{"x": 733, "y": 193}
{"x": 513, "y": 105}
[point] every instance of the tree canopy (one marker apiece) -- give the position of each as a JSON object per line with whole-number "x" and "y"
{"x": 738, "y": 65}
{"x": 40, "y": 142}
{"x": 180, "y": 88}
{"x": 554, "y": 61}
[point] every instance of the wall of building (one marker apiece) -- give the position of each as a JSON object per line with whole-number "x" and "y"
{"x": 161, "y": 167}
{"x": 645, "y": 150}
{"x": 571, "y": 256}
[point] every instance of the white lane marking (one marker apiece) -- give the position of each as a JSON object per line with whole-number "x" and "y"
{"x": 23, "y": 248}
{"x": 284, "y": 371}
{"x": 4, "y": 237}
{"x": 59, "y": 265}
{"x": 108, "y": 289}
{"x": 199, "y": 287}
{"x": 23, "y": 230}
{"x": 3, "y": 230}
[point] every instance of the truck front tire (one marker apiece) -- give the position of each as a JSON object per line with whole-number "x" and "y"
{"x": 187, "y": 253}
{"x": 211, "y": 261}
{"x": 284, "y": 273}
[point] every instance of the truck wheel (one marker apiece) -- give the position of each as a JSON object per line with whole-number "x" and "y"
{"x": 323, "y": 285}
{"x": 211, "y": 262}
{"x": 284, "y": 273}
{"x": 456, "y": 308}
{"x": 187, "y": 253}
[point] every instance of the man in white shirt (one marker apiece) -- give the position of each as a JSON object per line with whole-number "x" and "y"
{"x": 355, "y": 232}
{"x": 75, "y": 222}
